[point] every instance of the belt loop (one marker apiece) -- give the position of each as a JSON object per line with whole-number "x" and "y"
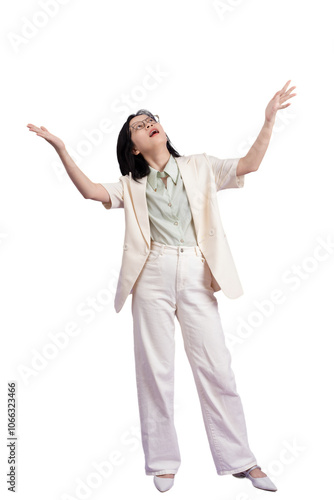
{"x": 162, "y": 249}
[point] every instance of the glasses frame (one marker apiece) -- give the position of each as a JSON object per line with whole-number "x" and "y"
{"x": 144, "y": 122}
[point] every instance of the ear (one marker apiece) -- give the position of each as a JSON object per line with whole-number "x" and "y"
{"x": 135, "y": 151}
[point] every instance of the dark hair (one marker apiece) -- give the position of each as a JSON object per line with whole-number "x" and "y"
{"x": 128, "y": 162}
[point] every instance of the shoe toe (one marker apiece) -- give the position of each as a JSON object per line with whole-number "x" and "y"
{"x": 163, "y": 483}
{"x": 264, "y": 483}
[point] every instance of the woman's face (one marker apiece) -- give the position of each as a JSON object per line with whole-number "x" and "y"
{"x": 142, "y": 139}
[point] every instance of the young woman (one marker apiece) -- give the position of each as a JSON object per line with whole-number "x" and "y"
{"x": 175, "y": 257}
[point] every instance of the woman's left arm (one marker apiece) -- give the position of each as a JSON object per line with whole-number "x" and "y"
{"x": 252, "y": 160}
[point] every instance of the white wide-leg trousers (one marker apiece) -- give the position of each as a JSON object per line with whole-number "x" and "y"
{"x": 176, "y": 281}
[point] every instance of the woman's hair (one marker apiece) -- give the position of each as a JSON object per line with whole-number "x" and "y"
{"x": 128, "y": 162}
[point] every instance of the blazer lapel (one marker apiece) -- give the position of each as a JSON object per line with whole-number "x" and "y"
{"x": 189, "y": 175}
{"x": 138, "y": 191}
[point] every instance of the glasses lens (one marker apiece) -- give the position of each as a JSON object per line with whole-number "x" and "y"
{"x": 139, "y": 126}
{"x": 150, "y": 119}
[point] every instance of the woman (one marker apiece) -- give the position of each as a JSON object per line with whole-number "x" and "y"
{"x": 176, "y": 280}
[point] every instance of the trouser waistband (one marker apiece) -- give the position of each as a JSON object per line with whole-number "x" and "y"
{"x": 175, "y": 249}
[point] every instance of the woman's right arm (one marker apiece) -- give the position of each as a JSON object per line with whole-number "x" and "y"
{"x": 89, "y": 190}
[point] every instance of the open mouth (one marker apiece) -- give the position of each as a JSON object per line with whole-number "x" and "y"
{"x": 154, "y": 132}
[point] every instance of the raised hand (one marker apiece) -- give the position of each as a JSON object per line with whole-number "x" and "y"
{"x": 276, "y": 102}
{"x": 43, "y": 132}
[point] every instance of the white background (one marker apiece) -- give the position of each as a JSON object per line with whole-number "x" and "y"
{"x": 219, "y": 65}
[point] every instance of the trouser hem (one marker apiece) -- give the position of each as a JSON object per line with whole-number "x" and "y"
{"x": 239, "y": 469}
{"x": 160, "y": 472}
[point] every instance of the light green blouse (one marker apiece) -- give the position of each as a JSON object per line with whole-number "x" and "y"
{"x": 171, "y": 220}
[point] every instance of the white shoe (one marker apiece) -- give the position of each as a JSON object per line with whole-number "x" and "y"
{"x": 163, "y": 483}
{"x": 263, "y": 483}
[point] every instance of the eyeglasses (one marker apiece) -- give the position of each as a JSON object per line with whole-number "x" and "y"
{"x": 142, "y": 123}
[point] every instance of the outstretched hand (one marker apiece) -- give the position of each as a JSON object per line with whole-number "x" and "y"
{"x": 276, "y": 102}
{"x": 43, "y": 132}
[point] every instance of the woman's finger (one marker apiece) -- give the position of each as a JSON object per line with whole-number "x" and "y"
{"x": 283, "y": 99}
{"x": 285, "y": 86}
{"x": 290, "y": 90}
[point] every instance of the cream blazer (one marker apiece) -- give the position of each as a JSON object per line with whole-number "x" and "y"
{"x": 203, "y": 175}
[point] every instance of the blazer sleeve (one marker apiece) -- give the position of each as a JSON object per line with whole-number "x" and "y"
{"x": 116, "y": 194}
{"x": 225, "y": 173}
